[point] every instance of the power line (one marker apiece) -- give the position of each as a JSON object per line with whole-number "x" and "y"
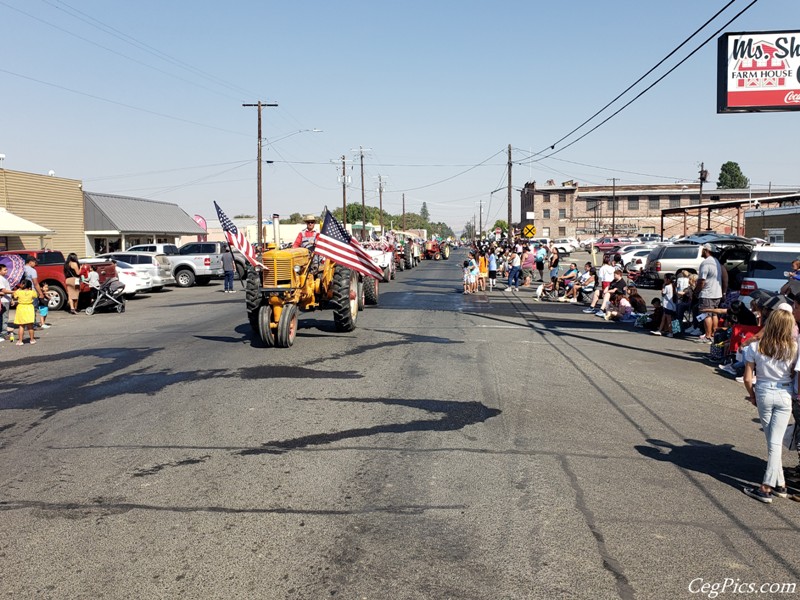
{"x": 130, "y": 106}
{"x": 552, "y": 146}
{"x": 130, "y": 40}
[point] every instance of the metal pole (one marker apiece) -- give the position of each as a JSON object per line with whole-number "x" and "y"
{"x": 344, "y": 192}
{"x": 404, "y": 212}
{"x": 613, "y": 206}
{"x": 259, "y": 216}
{"x": 380, "y": 201}
{"x": 363, "y": 200}
{"x": 510, "y": 227}
{"x": 700, "y": 198}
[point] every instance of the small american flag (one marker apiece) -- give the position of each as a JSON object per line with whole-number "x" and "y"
{"x": 236, "y": 238}
{"x": 335, "y": 243}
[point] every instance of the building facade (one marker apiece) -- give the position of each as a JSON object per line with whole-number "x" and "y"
{"x": 570, "y": 210}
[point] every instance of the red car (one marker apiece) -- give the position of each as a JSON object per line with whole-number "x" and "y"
{"x": 50, "y": 268}
{"x": 609, "y": 243}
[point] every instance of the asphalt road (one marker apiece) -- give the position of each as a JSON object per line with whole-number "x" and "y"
{"x": 452, "y": 447}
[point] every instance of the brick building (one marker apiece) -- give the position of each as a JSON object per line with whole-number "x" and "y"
{"x": 570, "y": 210}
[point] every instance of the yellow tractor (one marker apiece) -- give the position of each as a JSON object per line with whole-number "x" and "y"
{"x": 295, "y": 280}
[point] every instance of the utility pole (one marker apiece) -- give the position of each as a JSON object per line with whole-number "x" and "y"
{"x": 380, "y": 200}
{"x": 613, "y": 181}
{"x": 344, "y": 191}
{"x": 703, "y": 177}
{"x": 260, "y": 105}
{"x": 510, "y": 227}
{"x": 404, "y": 212}
{"x": 360, "y": 151}
{"x": 480, "y": 221}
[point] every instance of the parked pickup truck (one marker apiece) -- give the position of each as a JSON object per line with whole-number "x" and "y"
{"x": 195, "y": 262}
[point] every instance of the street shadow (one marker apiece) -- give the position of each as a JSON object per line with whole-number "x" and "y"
{"x": 719, "y": 461}
{"x": 455, "y": 415}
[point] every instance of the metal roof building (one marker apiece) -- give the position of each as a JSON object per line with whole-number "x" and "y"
{"x": 117, "y": 222}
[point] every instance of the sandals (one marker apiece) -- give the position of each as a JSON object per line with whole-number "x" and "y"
{"x": 33, "y": 341}
{"x": 18, "y": 344}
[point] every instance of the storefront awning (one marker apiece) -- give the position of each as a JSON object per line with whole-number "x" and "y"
{"x": 11, "y": 224}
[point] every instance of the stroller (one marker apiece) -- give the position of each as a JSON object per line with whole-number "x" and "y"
{"x": 109, "y": 295}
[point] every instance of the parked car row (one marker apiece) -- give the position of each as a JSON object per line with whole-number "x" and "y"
{"x": 142, "y": 268}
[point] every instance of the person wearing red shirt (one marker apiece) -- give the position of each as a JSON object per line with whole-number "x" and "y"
{"x": 307, "y": 237}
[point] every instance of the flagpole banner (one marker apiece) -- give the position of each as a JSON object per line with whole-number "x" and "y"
{"x": 236, "y": 238}
{"x": 335, "y": 243}
{"x": 758, "y": 71}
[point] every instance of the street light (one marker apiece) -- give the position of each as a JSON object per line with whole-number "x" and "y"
{"x": 288, "y": 135}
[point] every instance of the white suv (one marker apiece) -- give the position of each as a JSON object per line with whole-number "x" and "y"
{"x": 767, "y": 267}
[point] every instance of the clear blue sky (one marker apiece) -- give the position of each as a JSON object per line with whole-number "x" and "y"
{"x": 431, "y": 87}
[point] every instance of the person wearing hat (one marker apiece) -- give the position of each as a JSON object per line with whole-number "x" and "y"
{"x": 308, "y": 237}
{"x": 712, "y": 283}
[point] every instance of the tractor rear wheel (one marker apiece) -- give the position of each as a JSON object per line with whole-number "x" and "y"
{"x": 371, "y": 291}
{"x": 409, "y": 258}
{"x": 287, "y": 326}
{"x": 266, "y": 332}
{"x": 252, "y": 296}
{"x": 345, "y": 298}
{"x": 446, "y": 252}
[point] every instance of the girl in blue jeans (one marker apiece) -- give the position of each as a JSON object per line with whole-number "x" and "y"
{"x": 774, "y": 357}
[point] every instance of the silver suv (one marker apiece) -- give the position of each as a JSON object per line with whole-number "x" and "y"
{"x": 154, "y": 264}
{"x": 733, "y": 253}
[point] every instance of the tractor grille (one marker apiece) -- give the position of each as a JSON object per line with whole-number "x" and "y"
{"x": 278, "y": 272}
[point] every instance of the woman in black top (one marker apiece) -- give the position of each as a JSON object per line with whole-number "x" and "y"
{"x": 72, "y": 279}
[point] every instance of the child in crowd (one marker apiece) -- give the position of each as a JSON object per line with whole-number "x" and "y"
{"x": 654, "y": 323}
{"x": 620, "y": 307}
{"x": 774, "y": 357}
{"x": 668, "y": 304}
{"x": 638, "y": 304}
{"x": 25, "y": 315}
{"x": 43, "y": 308}
{"x": 683, "y": 281}
{"x": 467, "y": 284}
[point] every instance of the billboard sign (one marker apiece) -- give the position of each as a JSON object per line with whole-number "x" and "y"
{"x": 758, "y": 71}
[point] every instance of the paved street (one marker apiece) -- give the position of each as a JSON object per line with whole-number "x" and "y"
{"x": 452, "y": 447}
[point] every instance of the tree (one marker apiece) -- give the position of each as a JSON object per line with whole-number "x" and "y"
{"x": 469, "y": 230}
{"x": 501, "y": 224}
{"x": 295, "y": 218}
{"x": 731, "y": 177}
{"x": 423, "y": 212}
{"x": 244, "y": 216}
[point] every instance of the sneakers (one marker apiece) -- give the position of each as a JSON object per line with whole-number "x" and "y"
{"x": 563, "y": 299}
{"x": 589, "y": 310}
{"x": 508, "y": 289}
{"x": 45, "y": 326}
{"x": 780, "y": 492}
{"x": 573, "y": 300}
{"x": 600, "y": 313}
{"x": 694, "y": 332}
{"x": 232, "y": 291}
{"x": 656, "y": 332}
{"x": 728, "y": 369}
{"x": 703, "y": 339}
{"x": 671, "y": 335}
{"x": 756, "y": 493}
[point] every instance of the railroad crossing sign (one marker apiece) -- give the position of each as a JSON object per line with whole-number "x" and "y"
{"x": 529, "y": 231}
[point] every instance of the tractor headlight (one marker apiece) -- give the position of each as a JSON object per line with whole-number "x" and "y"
{"x": 297, "y": 269}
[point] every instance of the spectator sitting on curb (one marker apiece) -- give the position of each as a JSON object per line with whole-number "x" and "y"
{"x": 638, "y": 304}
{"x": 655, "y": 318}
{"x": 605, "y": 275}
{"x": 585, "y": 282}
{"x": 619, "y": 309}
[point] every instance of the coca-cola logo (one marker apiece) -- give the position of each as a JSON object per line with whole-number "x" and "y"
{"x": 792, "y": 98}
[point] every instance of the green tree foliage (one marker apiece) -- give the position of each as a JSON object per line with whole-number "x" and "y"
{"x": 413, "y": 220}
{"x": 501, "y": 224}
{"x": 423, "y": 212}
{"x": 295, "y": 218}
{"x": 731, "y": 177}
{"x": 469, "y": 230}
{"x": 244, "y": 216}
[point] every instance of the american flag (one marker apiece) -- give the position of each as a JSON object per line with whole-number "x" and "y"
{"x": 335, "y": 243}
{"x": 236, "y": 238}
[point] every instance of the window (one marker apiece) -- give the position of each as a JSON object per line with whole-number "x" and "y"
{"x": 675, "y": 202}
{"x": 613, "y": 204}
{"x": 546, "y": 213}
{"x": 653, "y": 202}
{"x": 562, "y": 213}
{"x": 682, "y": 251}
{"x": 546, "y": 231}
{"x": 562, "y": 231}
{"x": 633, "y": 202}
{"x": 545, "y": 197}
{"x": 592, "y": 205}
{"x": 562, "y": 197}
{"x": 774, "y": 236}
{"x": 770, "y": 265}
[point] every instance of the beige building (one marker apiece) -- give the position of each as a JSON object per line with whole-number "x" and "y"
{"x": 570, "y": 210}
{"x": 54, "y": 204}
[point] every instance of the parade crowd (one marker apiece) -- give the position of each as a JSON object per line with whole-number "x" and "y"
{"x": 757, "y": 344}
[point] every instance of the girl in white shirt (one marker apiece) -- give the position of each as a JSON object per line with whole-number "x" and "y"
{"x": 774, "y": 358}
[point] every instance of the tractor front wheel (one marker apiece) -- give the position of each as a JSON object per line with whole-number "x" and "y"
{"x": 252, "y": 296}
{"x": 287, "y": 326}
{"x": 266, "y": 332}
{"x": 345, "y": 298}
